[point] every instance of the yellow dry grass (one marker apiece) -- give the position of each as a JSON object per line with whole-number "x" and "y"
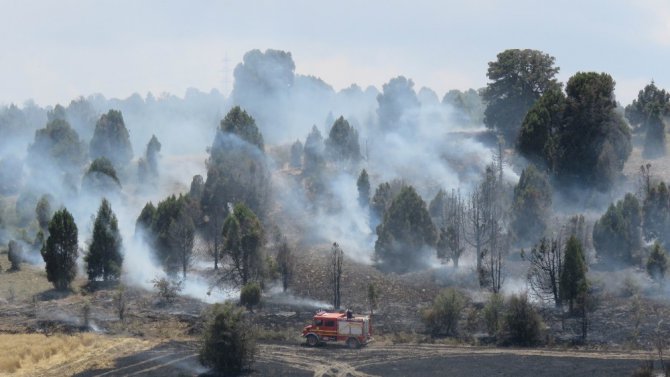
{"x": 23, "y": 284}
{"x": 62, "y": 355}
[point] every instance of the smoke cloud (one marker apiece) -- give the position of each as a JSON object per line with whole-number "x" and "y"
{"x": 402, "y": 135}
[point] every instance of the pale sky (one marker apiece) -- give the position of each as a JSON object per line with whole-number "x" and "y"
{"x": 56, "y": 50}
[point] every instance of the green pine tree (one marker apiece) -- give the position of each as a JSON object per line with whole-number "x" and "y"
{"x": 104, "y": 258}
{"x": 61, "y": 250}
{"x": 573, "y": 275}
{"x": 657, "y": 264}
{"x": 363, "y": 185}
{"x": 405, "y": 232}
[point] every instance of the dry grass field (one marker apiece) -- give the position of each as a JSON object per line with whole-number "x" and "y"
{"x": 63, "y": 355}
{"x": 21, "y": 286}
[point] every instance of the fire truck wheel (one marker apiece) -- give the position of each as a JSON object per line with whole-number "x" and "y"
{"x": 312, "y": 340}
{"x": 353, "y": 343}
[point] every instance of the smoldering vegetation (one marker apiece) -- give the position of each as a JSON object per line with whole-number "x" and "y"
{"x": 485, "y": 190}
{"x": 96, "y": 147}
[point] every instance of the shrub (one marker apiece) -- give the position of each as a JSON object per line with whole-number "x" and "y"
{"x": 630, "y": 287}
{"x": 228, "y": 343}
{"x": 120, "y": 302}
{"x": 522, "y": 322}
{"x": 14, "y": 254}
{"x": 657, "y": 264}
{"x": 493, "y": 314}
{"x": 442, "y": 318}
{"x": 167, "y": 290}
{"x": 250, "y": 295}
{"x": 86, "y": 313}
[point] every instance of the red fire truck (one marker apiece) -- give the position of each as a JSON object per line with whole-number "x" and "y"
{"x": 338, "y": 327}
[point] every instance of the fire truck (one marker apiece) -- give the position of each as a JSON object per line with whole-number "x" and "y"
{"x": 356, "y": 331}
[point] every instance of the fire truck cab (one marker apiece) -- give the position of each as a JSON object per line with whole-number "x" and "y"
{"x": 338, "y": 327}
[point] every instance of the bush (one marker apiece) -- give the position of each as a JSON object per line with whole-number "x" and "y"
{"x": 657, "y": 264}
{"x": 522, "y": 322}
{"x": 250, "y": 295}
{"x": 442, "y": 318}
{"x": 120, "y": 302}
{"x": 493, "y": 314}
{"x": 167, "y": 290}
{"x": 630, "y": 287}
{"x": 228, "y": 343}
{"x": 14, "y": 254}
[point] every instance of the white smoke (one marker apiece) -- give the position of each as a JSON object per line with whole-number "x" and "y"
{"x": 429, "y": 150}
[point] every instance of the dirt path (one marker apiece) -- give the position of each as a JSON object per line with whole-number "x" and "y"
{"x": 180, "y": 359}
{"x": 438, "y": 360}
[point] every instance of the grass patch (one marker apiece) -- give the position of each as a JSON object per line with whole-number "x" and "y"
{"x": 24, "y": 351}
{"x": 36, "y": 354}
{"x": 21, "y": 286}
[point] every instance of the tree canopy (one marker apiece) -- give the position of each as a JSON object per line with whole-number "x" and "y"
{"x": 313, "y": 152}
{"x": 651, "y": 102}
{"x": 239, "y": 123}
{"x": 468, "y": 105}
{"x": 363, "y": 186}
{"x": 104, "y": 258}
{"x": 617, "y": 234}
{"x": 518, "y": 78}
{"x": 342, "y": 143}
{"x": 540, "y": 131}
{"x": 398, "y": 104}
{"x": 656, "y": 214}
{"x": 657, "y": 264}
{"x": 228, "y": 344}
{"x": 159, "y": 223}
{"x": 263, "y": 85}
{"x": 242, "y": 241}
{"x": 531, "y": 206}
{"x": 596, "y": 141}
{"x": 647, "y": 113}
{"x": 237, "y": 170}
{"x": 101, "y": 176}
{"x": 296, "y": 154}
{"x": 405, "y": 233}
{"x": 112, "y": 140}
{"x": 573, "y": 274}
{"x": 57, "y": 145}
{"x": 148, "y": 166}
{"x": 61, "y": 250}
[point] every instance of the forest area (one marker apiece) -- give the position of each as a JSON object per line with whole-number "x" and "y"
{"x": 530, "y": 214}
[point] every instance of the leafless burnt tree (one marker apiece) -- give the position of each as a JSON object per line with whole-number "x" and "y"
{"x": 546, "y": 263}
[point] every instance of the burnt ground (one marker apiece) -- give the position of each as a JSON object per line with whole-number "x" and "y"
{"x": 282, "y": 359}
{"x": 617, "y": 343}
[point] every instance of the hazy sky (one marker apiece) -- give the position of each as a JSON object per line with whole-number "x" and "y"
{"x": 53, "y": 51}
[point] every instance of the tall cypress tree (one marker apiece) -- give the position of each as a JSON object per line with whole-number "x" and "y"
{"x": 111, "y": 140}
{"x": 104, "y": 257}
{"x": 243, "y": 240}
{"x": 363, "y": 185}
{"x": 405, "y": 232}
{"x": 573, "y": 275}
{"x": 60, "y": 252}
